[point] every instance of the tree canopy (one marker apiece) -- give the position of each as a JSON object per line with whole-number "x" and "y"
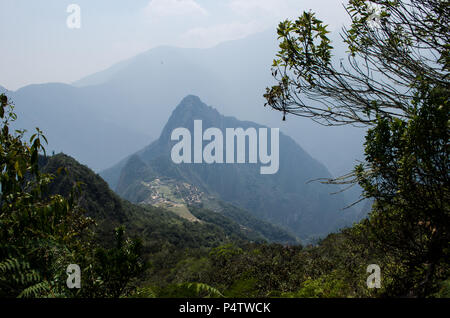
{"x": 42, "y": 233}
{"x": 395, "y": 82}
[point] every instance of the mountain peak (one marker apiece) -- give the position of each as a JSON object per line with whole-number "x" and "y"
{"x": 285, "y": 198}
{"x": 191, "y": 99}
{"x": 189, "y": 109}
{"x": 192, "y": 104}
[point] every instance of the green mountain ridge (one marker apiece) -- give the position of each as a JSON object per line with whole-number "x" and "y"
{"x": 286, "y": 198}
{"x": 157, "y": 225}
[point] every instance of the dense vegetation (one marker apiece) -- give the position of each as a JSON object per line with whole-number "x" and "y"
{"x": 172, "y": 258}
{"x": 42, "y": 233}
{"x": 55, "y": 212}
{"x": 396, "y": 83}
{"x": 244, "y": 219}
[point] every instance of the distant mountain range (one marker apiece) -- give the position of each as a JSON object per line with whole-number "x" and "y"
{"x": 105, "y": 116}
{"x": 72, "y": 124}
{"x": 286, "y": 198}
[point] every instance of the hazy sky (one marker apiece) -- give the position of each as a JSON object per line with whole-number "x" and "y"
{"x": 37, "y": 46}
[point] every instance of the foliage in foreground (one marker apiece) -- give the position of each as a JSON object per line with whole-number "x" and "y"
{"x": 186, "y": 259}
{"x": 41, "y": 234}
{"x": 395, "y": 82}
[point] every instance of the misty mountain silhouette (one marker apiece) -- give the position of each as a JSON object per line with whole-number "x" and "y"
{"x": 285, "y": 198}
{"x": 107, "y": 115}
